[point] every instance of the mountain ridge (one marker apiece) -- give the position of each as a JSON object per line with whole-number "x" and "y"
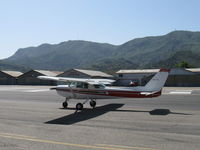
{"x": 138, "y": 53}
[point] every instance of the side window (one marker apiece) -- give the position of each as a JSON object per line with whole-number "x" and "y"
{"x": 82, "y": 85}
{"x": 85, "y": 86}
{"x": 121, "y": 75}
{"x": 98, "y": 86}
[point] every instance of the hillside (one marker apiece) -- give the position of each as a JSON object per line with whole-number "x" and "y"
{"x": 147, "y": 52}
{"x": 13, "y": 67}
{"x": 155, "y": 49}
{"x": 71, "y": 54}
{"x": 188, "y": 56}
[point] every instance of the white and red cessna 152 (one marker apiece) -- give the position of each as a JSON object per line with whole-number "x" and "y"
{"x": 92, "y": 89}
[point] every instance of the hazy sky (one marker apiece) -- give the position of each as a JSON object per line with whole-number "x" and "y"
{"x": 25, "y": 23}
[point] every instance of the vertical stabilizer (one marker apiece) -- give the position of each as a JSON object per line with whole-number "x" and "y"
{"x": 158, "y": 81}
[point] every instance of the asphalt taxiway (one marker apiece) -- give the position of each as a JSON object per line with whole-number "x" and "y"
{"x": 31, "y": 117}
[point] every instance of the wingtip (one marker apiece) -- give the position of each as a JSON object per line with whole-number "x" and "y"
{"x": 39, "y": 77}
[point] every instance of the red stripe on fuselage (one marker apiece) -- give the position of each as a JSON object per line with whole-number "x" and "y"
{"x": 128, "y": 94}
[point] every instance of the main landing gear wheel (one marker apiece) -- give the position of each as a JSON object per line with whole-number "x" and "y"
{"x": 92, "y": 103}
{"x": 65, "y": 104}
{"x": 79, "y": 106}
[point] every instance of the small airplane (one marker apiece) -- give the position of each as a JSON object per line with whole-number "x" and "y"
{"x": 92, "y": 89}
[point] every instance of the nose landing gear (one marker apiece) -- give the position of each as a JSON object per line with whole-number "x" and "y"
{"x": 65, "y": 103}
{"x": 93, "y": 103}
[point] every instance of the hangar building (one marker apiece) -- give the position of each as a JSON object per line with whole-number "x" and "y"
{"x": 80, "y": 73}
{"x": 124, "y": 77}
{"x": 30, "y": 77}
{"x": 184, "y": 77}
{"x": 177, "y": 77}
{"x": 9, "y": 77}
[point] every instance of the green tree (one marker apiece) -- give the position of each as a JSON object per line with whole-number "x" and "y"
{"x": 184, "y": 64}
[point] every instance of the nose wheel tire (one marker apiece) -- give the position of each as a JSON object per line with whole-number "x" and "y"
{"x": 92, "y": 103}
{"x": 65, "y": 104}
{"x": 79, "y": 106}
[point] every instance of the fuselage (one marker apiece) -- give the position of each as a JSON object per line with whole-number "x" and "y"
{"x": 104, "y": 92}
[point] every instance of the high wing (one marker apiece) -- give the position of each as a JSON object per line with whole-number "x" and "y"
{"x": 89, "y": 81}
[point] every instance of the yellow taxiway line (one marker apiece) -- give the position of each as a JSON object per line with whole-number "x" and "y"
{"x": 97, "y": 146}
{"x": 128, "y": 147}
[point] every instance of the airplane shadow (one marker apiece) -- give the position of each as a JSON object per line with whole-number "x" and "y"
{"x": 165, "y": 112}
{"x": 155, "y": 112}
{"x": 87, "y": 114}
